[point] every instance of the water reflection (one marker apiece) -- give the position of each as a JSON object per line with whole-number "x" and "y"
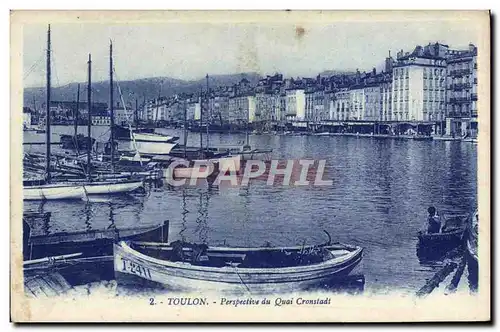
{"x": 381, "y": 190}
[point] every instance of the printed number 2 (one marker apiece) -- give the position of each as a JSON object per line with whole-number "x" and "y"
{"x": 152, "y": 301}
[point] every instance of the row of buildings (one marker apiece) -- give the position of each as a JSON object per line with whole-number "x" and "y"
{"x": 432, "y": 83}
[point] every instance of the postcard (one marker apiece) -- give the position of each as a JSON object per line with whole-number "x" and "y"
{"x": 266, "y": 166}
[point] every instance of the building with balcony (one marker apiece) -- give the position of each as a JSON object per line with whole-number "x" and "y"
{"x": 461, "y": 111}
{"x": 418, "y": 84}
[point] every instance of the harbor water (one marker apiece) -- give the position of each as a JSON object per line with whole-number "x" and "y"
{"x": 378, "y": 200}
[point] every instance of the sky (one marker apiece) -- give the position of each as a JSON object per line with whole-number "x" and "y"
{"x": 190, "y": 50}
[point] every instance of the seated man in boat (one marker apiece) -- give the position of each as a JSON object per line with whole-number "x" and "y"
{"x": 434, "y": 223}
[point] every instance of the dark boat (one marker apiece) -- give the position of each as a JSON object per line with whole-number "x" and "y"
{"x": 80, "y": 143}
{"x": 435, "y": 246}
{"x": 88, "y": 243}
{"x": 123, "y": 133}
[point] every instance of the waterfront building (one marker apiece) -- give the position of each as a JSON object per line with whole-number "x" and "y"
{"x": 241, "y": 109}
{"x": 124, "y": 116}
{"x": 295, "y": 104}
{"x": 418, "y": 89}
{"x": 193, "y": 110}
{"x": 386, "y": 97}
{"x": 219, "y": 108}
{"x": 461, "y": 111}
{"x": 340, "y": 106}
{"x": 101, "y": 118}
{"x": 266, "y": 105}
{"x": 357, "y": 102}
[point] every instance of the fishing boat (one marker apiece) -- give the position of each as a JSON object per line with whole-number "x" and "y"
{"x": 89, "y": 242}
{"x": 435, "y": 246}
{"x": 191, "y": 268}
{"x": 451, "y": 235}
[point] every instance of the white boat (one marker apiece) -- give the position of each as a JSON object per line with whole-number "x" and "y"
{"x": 153, "y": 137}
{"x": 111, "y": 187}
{"x": 233, "y": 270}
{"x": 53, "y": 191}
{"x": 152, "y": 148}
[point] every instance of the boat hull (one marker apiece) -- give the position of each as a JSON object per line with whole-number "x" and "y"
{"x": 53, "y": 192}
{"x": 152, "y": 148}
{"x": 132, "y": 267}
{"x": 111, "y": 187}
{"x": 89, "y": 243}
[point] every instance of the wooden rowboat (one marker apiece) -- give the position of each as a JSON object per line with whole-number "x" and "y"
{"x": 436, "y": 239}
{"x": 89, "y": 243}
{"x": 233, "y": 270}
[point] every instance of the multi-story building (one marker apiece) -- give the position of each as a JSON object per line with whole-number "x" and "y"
{"x": 418, "y": 89}
{"x": 386, "y": 97}
{"x": 267, "y": 105}
{"x": 242, "y": 109}
{"x": 357, "y": 102}
{"x": 295, "y": 104}
{"x": 340, "y": 106}
{"x": 219, "y": 108}
{"x": 101, "y": 118}
{"x": 124, "y": 116}
{"x": 193, "y": 110}
{"x": 461, "y": 109}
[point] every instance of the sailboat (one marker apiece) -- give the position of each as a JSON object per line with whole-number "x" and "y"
{"x": 79, "y": 189}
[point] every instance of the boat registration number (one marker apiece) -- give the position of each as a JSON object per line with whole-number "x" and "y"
{"x": 134, "y": 268}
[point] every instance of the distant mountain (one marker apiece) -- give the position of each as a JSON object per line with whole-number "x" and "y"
{"x": 148, "y": 88}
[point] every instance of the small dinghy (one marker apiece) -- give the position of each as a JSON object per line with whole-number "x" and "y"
{"x": 180, "y": 267}
{"x": 434, "y": 246}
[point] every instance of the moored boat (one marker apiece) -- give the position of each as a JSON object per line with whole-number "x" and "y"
{"x": 153, "y": 137}
{"x": 88, "y": 243}
{"x": 264, "y": 270}
{"x": 53, "y": 191}
{"x": 112, "y": 186}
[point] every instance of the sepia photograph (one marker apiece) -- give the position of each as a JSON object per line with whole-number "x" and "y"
{"x": 182, "y": 166}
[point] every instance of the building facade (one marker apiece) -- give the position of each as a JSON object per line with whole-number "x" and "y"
{"x": 295, "y": 104}
{"x": 341, "y": 106}
{"x": 241, "y": 109}
{"x": 418, "y": 88}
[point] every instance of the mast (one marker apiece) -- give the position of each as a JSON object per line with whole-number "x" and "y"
{"x": 136, "y": 114}
{"x": 111, "y": 111}
{"x": 157, "y": 107}
{"x": 89, "y": 107}
{"x": 201, "y": 122}
{"x": 75, "y": 116}
{"x": 185, "y": 128}
{"x": 47, "y": 117}
{"x": 208, "y": 111}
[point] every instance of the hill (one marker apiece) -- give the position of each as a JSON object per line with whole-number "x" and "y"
{"x": 148, "y": 88}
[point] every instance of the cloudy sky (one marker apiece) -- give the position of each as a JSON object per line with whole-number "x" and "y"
{"x": 188, "y": 51}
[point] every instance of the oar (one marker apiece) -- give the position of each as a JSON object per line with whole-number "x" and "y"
{"x": 51, "y": 259}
